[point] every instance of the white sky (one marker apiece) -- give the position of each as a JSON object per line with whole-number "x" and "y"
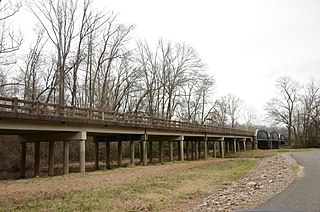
{"x": 247, "y": 44}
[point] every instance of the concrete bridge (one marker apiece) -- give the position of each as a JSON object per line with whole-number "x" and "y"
{"x": 35, "y": 122}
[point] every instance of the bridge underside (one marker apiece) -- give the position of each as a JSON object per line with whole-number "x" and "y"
{"x": 182, "y": 144}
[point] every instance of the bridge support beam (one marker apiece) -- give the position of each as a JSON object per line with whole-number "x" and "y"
{"x": 197, "y": 150}
{"x": 227, "y": 147}
{"x": 181, "y": 148}
{"x": 82, "y": 155}
{"x": 222, "y": 144}
{"x": 188, "y": 150}
{"x": 66, "y": 157}
{"x": 150, "y": 151}
{"x": 171, "y": 150}
{"x": 108, "y": 155}
{"x": 235, "y": 145}
{"x": 36, "y": 159}
{"x": 132, "y": 152}
{"x": 144, "y": 149}
{"x": 238, "y": 146}
{"x": 244, "y": 145}
{"x": 161, "y": 151}
{"x": 96, "y": 155}
{"x": 119, "y": 153}
{"x": 51, "y": 159}
{"x": 23, "y": 159}
{"x": 205, "y": 147}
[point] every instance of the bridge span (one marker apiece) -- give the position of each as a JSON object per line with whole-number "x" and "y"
{"x": 35, "y": 122}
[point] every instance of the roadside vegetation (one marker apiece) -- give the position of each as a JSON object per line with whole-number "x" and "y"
{"x": 162, "y": 187}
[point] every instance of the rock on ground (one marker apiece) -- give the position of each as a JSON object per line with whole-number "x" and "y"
{"x": 271, "y": 176}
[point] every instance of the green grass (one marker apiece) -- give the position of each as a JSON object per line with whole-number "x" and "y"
{"x": 145, "y": 194}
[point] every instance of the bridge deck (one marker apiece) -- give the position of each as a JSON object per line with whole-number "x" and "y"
{"x": 35, "y": 121}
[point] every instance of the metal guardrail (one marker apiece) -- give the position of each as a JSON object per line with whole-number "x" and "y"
{"x": 37, "y": 108}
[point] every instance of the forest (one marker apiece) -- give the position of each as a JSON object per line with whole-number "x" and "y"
{"x": 82, "y": 56}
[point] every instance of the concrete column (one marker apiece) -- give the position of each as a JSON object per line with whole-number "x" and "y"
{"x": 197, "y": 150}
{"x": 181, "y": 148}
{"x": 188, "y": 150}
{"x": 144, "y": 149}
{"x": 244, "y": 145}
{"x": 66, "y": 157}
{"x": 270, "y": 143}
{"x": 161, "y": 151}
{"x": 96, "y": 160}
{"x": 179, "y": 155}
{"x": 228, "y": 147}
{"x": 119, "y": 153}
{"x": 235, "y": 146}
{"x": 108, "y": 155}
{"x": 132, "y": 152}
{"x": 82, "y": 154}
{"x": 222, "y": 148}
{"x": 51, "y": 159}
{"x": 23, "y": 159}
{"x": 150, "y": 151}
{"x": 171, "y": 150}
{"x": 192, "y": 150}
{"x": 36, "y": 159}
{"x": 215, "y": 149}
{"x": 205, "y": 147}
{"x": 238, "y": 146}
{"x": 141, "y": 151}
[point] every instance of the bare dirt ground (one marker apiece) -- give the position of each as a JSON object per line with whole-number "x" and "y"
{"x": 16, "y": 191}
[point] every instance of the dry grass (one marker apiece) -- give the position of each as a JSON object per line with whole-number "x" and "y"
{"x": 169, "y": 187}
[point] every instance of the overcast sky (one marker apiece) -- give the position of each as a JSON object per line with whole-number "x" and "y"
{"x": 246, "y": 44}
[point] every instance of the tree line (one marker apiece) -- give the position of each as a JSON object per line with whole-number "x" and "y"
{"x": 82, "y": 56}
{"x": 297, "y": 108}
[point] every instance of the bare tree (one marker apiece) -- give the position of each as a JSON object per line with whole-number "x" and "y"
{"x": 234, "y": 105}
{"x": 282, "y": 108}
{"x": 249, "y": 116}
{"x": 10, "y": 42}
{"x": 307, "y": 117}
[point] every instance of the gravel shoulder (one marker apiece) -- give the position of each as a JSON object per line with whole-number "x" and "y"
{"x": 271, "y": 176}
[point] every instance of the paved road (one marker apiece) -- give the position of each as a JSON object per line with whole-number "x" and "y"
{"x": 304, "y": 193}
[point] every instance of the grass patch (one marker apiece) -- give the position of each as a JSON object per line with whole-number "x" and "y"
{"x": 150, "y": 194}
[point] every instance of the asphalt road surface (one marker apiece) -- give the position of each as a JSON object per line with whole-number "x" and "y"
{"x": 304, "y": 193}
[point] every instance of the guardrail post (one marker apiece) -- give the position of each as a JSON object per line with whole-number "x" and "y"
{"x": 14, "y": 107}
{"x": 88, "y": 113}
{"x": 37, "y": 106}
